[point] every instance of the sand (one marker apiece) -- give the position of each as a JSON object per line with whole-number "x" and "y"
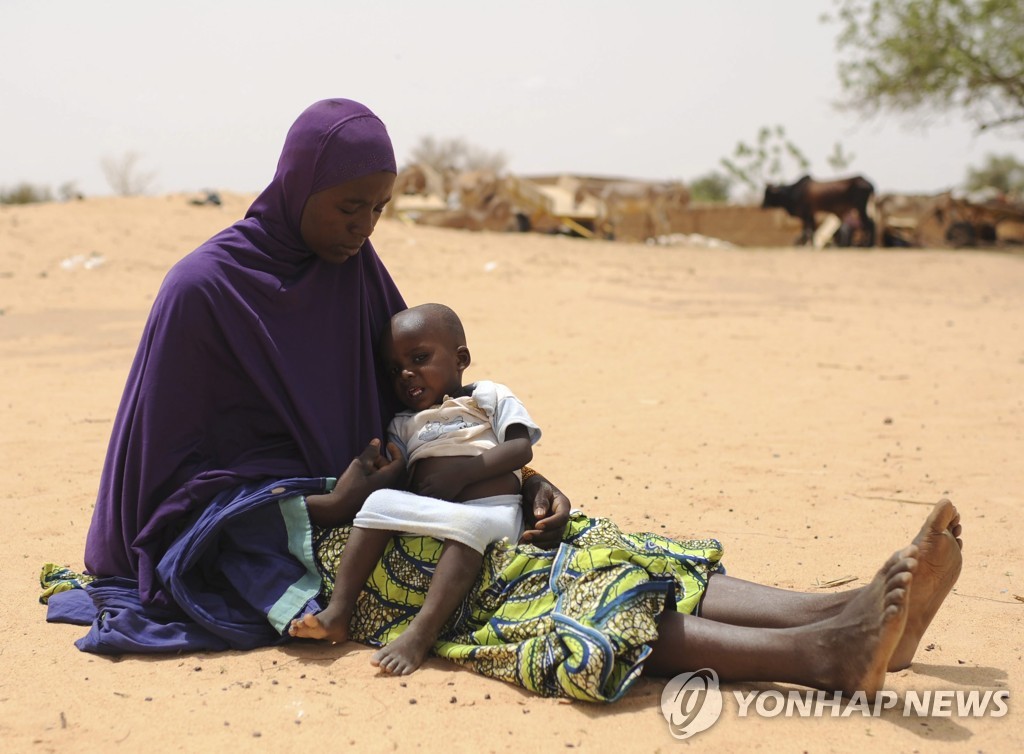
{"x": 804, "y": 407}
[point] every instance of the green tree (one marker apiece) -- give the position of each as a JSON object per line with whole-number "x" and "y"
{"x": 1005, "y": 173}
{"x": 713, "y": 187}
{"x": 934, "y": 57}
{"x": 772, "y": 159}
{"x": 840, "y": 159}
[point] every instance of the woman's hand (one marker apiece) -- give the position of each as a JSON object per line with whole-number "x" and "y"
{"x": 369, "y": 471}
{"x": 546, "y": 512}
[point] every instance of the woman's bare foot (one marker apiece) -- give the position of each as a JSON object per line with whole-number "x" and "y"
{"x": 939, "y": 562}
{"x": 404, "y": 654}
{"x": 328, "y": 624}
{"x": 856, "y": 645}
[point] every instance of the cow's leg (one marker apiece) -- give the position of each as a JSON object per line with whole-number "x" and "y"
{"x": 807, "y": 238}
{"x": 869, "y": 228}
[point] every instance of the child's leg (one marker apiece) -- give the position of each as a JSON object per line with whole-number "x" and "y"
{"x": 849, "y": 651}
{"x": 456, "y": 572}
{"x": 361, "y": 555}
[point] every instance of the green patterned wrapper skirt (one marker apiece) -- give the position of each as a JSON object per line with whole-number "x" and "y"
{"x": 574, "y": 622}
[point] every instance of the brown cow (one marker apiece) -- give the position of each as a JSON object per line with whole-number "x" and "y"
{"x": 806, "y": 197}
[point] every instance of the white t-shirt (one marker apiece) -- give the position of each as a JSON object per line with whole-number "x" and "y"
{"x": 464, "y": 426}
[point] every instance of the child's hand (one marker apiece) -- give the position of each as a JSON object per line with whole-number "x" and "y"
{"x": 446, "y": 484}
{"x": 389, "y": 469}
{"x": 367, "y": 473}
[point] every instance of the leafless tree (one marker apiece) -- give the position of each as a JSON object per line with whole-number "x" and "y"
{"x": 456, "y": 156}
{"x": 125, "y": 176}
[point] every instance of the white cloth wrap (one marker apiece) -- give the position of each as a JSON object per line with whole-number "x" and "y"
{"x": 475, "y": 523}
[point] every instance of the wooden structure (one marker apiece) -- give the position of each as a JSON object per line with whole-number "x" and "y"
{"x": 944, "y": 220}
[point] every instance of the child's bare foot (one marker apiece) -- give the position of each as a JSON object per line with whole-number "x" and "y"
{"x": 404, "y": 654}
{"x": 939, "y": 562}
{"x": 856, "y": 645}
{"x": 327, "y": 624}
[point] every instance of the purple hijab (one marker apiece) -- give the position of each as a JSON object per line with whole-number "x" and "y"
{"x": 256, "y": 361}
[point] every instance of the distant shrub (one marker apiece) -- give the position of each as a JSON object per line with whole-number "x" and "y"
{"x": 69, "y": 191}
{"x": 713, "y": 187}
{"x": 456, "y": 156}
{"x": 1004, "y": 173}
{"x": 125, "y": 176}
{"x": 25, "y": 193}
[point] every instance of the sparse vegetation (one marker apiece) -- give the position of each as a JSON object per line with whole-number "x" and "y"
{"x": 772, "y": 159}
{"x": 713, "y": 187}
{"x": 1004, "y": 173}
{"x": 124, "y": 175}
{"x": 69, "y": 191}
{"x": 456, "y": 155}
{"x": 775, "y": 159}
{"x": 25, "y": 193}
{"x": 840, "y": 159}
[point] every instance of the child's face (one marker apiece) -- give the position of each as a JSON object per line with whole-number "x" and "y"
{"x": 424, "y": 366}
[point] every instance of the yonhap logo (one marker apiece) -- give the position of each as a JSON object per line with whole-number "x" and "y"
{"x": 691, "y": 702}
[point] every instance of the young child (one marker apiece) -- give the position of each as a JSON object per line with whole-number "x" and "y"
{"x": 464, "y": 447}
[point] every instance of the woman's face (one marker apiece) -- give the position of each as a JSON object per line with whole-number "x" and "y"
{"x": 338, "y": 220}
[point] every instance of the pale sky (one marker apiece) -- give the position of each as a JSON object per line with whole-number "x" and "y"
{"x": 205, "y": 91}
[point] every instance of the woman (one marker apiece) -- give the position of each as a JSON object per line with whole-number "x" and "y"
{"x": 257, "y": 358}
{"x": 217, "y": 522}
{"x": 257, "y": 363}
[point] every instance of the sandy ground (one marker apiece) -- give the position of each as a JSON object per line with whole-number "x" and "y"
{"x": 804, "y": 407}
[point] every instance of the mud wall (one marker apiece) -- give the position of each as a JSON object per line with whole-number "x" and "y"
{"x": 743, "y": 226}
